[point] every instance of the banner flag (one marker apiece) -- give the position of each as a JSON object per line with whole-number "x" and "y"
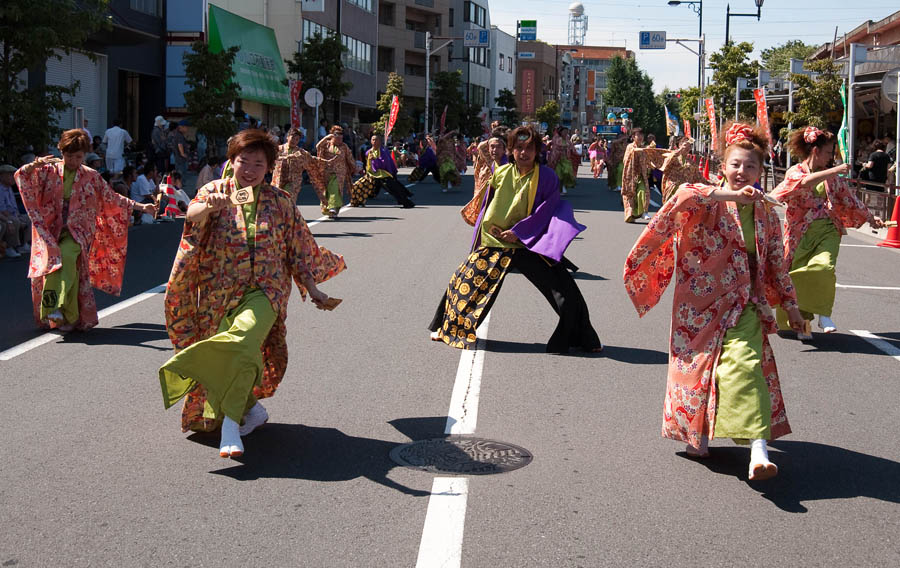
{"x": 687, "y": 127}
{"x": 842, "y": 133}
{"x": 444, "y": 118}
{"x": 395, "y": 109}
{"x": 296, "y": 112}
{"x": 762, "y": 112}
{"x": 713, "y": 130}
{"x": 671, "y": 123}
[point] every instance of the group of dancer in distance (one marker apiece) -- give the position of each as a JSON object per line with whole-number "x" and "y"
{"x": 226, "y": 300}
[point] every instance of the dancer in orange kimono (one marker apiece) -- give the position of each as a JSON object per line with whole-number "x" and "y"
{"x": 79, "y": 234}
{"x": 615, "y": 152}
{"x": 820, "y": 205}
{"x": 490, "y": 154}
{"x": 227, "y": 297}
{"x": 292, "y": 161}
{"x": 638, "y": 162}
{"x": 724, "y": 244}
{"x": 341, "y": 167}
{"x": 678, "y": 170}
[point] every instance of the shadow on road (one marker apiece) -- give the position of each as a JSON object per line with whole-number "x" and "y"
{"x": 808, "y": 471}
{"x": 587, "y": 276}
{"x": 636, "y": 355}
{"x": 844, "y": 343}
{"x": 502, "y": 346}
{"x": 129, "y": 334}
{"x": 295, "y": 451}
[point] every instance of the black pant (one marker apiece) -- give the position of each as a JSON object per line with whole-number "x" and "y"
{"x": 559, "y": 288}
{"x": 396, "y": 189}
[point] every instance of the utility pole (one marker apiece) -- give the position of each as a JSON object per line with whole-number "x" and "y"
{"x": 428, "y": 53}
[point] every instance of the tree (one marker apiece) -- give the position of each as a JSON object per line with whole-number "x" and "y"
{"x": 549, "y": 113}
{"x": 506, "y": 100}
{"x": 730, "y": 63}
{"x": 818, "y": 97}
{"x": 212, "y": 91}
{"x": 321, "y": 65}
{"x": 689, "y": 99}
{"x": 404, "y": 122}
{"x": 778, "y": 59}
{"x": 31, "y": 32}
{"x": 629, "y": 86}
{"x": 447, "y": 94}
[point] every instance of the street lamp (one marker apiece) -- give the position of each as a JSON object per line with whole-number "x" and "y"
{"x": 729, "y": 15}
{"x": 697, "y": 7}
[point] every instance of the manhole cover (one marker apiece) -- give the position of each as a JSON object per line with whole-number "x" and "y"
{"x": 461, "y": 456}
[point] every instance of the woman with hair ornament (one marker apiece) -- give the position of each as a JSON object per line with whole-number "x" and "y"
{"x": 244, "y": 244}
{"x": 724, "y": 246}
{"x": 820, "y": 207}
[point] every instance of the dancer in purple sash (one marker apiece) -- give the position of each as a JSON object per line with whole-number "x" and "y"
{"x": 523, "y": 224}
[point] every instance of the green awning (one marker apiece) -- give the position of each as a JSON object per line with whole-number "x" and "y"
{"x": 258, "y": 66}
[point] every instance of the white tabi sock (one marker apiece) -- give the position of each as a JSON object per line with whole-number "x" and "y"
{"x": 230, "y": 446}
{"x": 760, "y": 466}
{"x": 255, "y": 417}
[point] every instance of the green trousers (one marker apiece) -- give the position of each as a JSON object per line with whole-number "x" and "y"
{"x": 61, "y": 286}
{"x": 744, "y": 410}
{"x": 640, "y": 198}
{"x": 228, "y": 365}
{"x": 812, "y": 271}
{"x": 617, "y": 172}
{"x": 333, "y": 199}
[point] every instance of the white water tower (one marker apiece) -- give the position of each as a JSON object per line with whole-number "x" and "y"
{"x": 578, "y": 23}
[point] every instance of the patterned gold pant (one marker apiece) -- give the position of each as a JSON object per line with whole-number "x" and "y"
{"x": 364, "y": 189}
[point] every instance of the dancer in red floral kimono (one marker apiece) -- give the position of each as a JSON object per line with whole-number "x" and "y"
{"x": 724, "y": 245}
{"x": 227, "y": 297}
{"x": 820, "y": 205}
{"x": 79, "y": 234}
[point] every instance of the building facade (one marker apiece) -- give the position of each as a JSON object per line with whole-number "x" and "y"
{"x": 503, "y": 71}
{"x": 537, "y": 76}
{"x": 584, "y": 78}
{"x": 475, "y": 63}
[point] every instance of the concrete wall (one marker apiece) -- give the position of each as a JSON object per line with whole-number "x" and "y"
{"x": 502, "y": 45}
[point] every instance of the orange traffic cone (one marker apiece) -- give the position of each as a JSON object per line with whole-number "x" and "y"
{"x": 893, "y": 237}
{"x": 706, "y": 169}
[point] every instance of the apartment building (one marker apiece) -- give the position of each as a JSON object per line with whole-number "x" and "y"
{"x": 503, "y": 74}
{"x": 476, "y": 63}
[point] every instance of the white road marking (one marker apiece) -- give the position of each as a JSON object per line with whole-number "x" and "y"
{"x": 441, "y": 544}
{"x": 860, "y": 246}
{"x": 878, "y": 342}
{"x": 445, "y": 520}
{"x": 868, "y": 287}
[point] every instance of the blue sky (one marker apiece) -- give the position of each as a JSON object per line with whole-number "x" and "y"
{"x": 618, "y": 22}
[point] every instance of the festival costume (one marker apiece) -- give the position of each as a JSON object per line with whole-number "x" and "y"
{"x": 530, "y": 206}
{"x": 226, "y": 303}
{"x": 614, "y": 156}
{"x": 289, "y": 167}
{"x": 79, "y": 239}
{"x": 558, "y": 159}
{"x": 677, "y": 170}
{"x": 483, "y": 166}
{"x": 381, "y": 172}
{"x": 730, "y": 272}
{"x": 635, "y": 188}
{"x": 815, "y": 220}
{"x": 427, "y": 164}
{"x": 448, "y": 161}
{"x": 338, "y": 173}
{"x": 598, "y": 157}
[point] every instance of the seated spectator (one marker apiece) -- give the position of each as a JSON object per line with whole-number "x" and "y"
{"x": 181, "y": 198}
{"x": 95, "y": 162}
{"x": 143, "y": 190}
{"x": 15, "y": 227}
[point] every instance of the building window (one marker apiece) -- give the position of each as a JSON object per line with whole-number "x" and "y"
{"x": 478, "y": 95}
{"x": 509, "y": 64}
{"x": 415, "y": 70}
{"x": 474, "y": 13}
{"x": 451, "y": 18}
{"x": 152, "y": 7}
{"x": 386, "y": 14}
{"x": 501, "y": 61}
{"x": 311, "y": 28}
{"x": 358, "y": 55}
{"x": 477, "y": 55}
{"x": 364, "y": 4}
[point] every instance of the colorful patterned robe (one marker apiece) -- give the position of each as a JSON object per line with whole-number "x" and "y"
{"x": 98, "y": 220}
{"x": 638, "y": 163}
{"x": 677, "y": 171}
{"x": 213, "y": 267}
{"x": 558, "y": 151}
{"x": 482, "y": 163}
{"x": 289, "y": 167}
{"x": 803, "y": 206}
{"x": 340, "y": 163}
{"x": 615, "y": 153}
{"x": 700, "y": 239}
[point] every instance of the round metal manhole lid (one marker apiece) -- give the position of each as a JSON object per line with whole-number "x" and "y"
{"x": 461, "y": 455}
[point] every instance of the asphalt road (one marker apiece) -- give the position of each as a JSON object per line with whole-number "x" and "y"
{"x": 93, "y": 471}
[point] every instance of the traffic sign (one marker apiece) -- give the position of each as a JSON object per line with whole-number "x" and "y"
{"x": 313, "y": 97}
{"x": 528, "y": 30}
{"x": 652, "y": 40}
{"x": 477, "y": 38}
{"x": 526, "y": 55}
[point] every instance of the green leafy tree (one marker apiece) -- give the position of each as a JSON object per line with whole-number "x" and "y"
{"x": 472, "y": 124}
{"x": 730, "y": 63}
{"x": 447, "y": 93}
{"x": 690, "y": 97}
{"x": 321, "y": 65}
{"x": 629, "y": 86}
{"x": 778, "y": 59}
{"x": 212, "y": 91}
{"x": 549, "y": 113}
{"x": 506, "y": 100}
{"x": 817, "y": 99}
{"x": 29, "y": 34}
{"x": 404, "y": 122}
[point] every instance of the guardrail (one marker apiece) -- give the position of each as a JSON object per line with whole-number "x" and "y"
{"x": 878, "y": 197}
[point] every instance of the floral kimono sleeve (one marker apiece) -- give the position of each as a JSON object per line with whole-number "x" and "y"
{"x": 847, "y": 206}
{"x": 306, "y": 259}
{"x": 651, "y": 262}
{"x": 654, "y": 158}
{"x": 31, "y": 179}
{"x": 107, "y": 257}
{"x": 779, "y": 288}
{"x": 791, "y": 189}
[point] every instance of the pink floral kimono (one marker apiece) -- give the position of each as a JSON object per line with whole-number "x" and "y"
{"x": 97, "y": 219}
{"x": 702, "y": 239}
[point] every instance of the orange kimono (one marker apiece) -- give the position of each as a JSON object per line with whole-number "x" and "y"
{"x": 483, "y": 171}
{"x": 702, "y": 239}
{"x": 289, "y": 167}
{"x": 214, "y": 266}
{"x": 637, "y": 164}
{"x": 676, "y": 171}
{"x": 97, "y": 219}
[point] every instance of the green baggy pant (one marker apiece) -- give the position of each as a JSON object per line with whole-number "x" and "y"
{"x": 228, "y": 365}
{"x": 333, "y": 199}
{"x": 744, "y": 410}
{"x": 812, "y": 271}
{"x": 61, "y": 286}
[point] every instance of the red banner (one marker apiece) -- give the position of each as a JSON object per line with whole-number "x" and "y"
{"x": 762, "y": 112}
{"x": 395, "y": 109}
{"x": 296, "y": 113}
{"x": 443, "y": 118}
{"x": 528, "y": 89}
{"x": 714, "y": 131}
{"x": 687, "y": 127}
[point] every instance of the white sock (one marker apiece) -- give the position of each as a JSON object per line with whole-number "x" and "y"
{"x": 255, "y": 417}
{"x": 230, "y": 445}
{"x": 758, "y": 452}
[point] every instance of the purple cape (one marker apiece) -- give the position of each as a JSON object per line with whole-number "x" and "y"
{"x": 385, "y": 162}
{"x": 550, "y": 227}
{"x": 427, "y": 160}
